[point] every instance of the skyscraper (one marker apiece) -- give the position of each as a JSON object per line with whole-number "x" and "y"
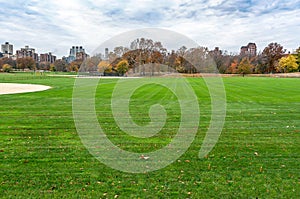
{"x": 47, "y": 57}
{"x": 106, "y": 53}
{"x": 7, "y": 48}
{"x": 76, "y": 52}
{"x": 27, "y": 52}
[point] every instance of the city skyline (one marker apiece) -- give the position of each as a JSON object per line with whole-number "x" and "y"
{"x": 79, "y": 51}
{"x": 54, "y": 26}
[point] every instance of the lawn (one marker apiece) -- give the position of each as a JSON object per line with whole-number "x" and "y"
{"x": 257, "y": 155}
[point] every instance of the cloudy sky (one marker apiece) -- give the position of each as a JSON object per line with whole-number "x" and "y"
{"x": 56, "y": 25}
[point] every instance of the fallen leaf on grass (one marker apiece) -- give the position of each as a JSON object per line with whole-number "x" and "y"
{"x": 261, "y": 169}
{"x": 144, "y": 157}
{"x": 208, "y": 167}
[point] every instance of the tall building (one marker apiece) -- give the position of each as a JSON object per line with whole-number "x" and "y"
{"x": 47, "y": 57}
{"x": 106, "y": 54}
{"x": 76, "y": 52}
{"x": 27, "y": 52}
{"x": 249, "y": 50}
{"x": 76, "y": 49}
{"x": 7, "y": 48}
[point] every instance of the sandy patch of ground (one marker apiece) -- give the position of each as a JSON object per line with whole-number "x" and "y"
{"x": 11, "y": 88}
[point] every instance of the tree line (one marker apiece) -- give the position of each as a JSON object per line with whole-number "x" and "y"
{"x": 28, "y": 63}
{"x": 144, "y": 51}
{"x": 273, "y": 59}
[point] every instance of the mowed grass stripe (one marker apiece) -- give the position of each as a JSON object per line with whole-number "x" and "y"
{"x": 41, "y": 154}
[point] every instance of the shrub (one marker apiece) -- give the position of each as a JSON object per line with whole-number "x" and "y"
{"x": 7, "y": 68}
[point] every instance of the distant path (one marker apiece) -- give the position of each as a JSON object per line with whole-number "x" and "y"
{"x": 12, "y": 88}
{"x": 287, "y": 75}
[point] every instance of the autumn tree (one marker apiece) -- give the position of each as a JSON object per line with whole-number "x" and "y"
{"x": 298, "y": 57}
{"x": 120, "y": 51}
{"x": 171, "y": 59}
{"x": 52, "y": 68}
{"x": 104, "y": 67}
{"x": 132, "y": 59}
{"x": 26, "y": 62}
{"x": 44, "y": 66}
{"x": 74, "y": 66}
{"x": 233, "y": 68}
{"x": 147, "y": 51}
{"x": 122, "y": 67}
{"x": 156, "y": 57}
{"x": 260, "y": 65}
{"x": 7, "y": 68}
{"x": 218, "y": 58}
{"x": 197, "y": 60}
{"x": 60, "y": 65}
{"x": 180, "y": 60}
{"x": 88, "y": 65}
{"x": 245, "y": 66}
{"x": 287, "y": 64}
{"x": 158, "y": 53}
{"x": 113, "y": 59}
{"x": 271, "y": 54}
{"x": 10, "y": 61}
{"x": 142, "y": 51}
{"x": 225, "y": 63}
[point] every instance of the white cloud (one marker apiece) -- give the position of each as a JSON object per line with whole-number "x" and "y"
{"x": 57, "y": 25}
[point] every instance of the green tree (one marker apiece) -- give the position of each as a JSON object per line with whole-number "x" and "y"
{"x": 288, "y": 64}
{"x": 122, "y": 67}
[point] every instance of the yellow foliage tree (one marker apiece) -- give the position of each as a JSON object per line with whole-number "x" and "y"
{"x": 245, "y": 67}
{"x": 7, "y": 68}
{"x": 52, "y": 68}
{"x": 122, "y": 67}
{"x": 104, "y": 66}
{"x": 287, "y": 64}
{"x": 74, "y": 66}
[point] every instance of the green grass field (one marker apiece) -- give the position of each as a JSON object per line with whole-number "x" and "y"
{"x": 258, "y": 153}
